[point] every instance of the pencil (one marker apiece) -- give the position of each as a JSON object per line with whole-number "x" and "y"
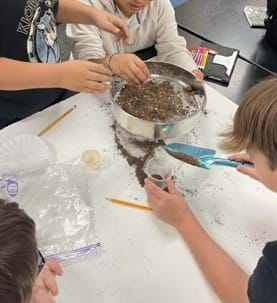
{"x": 129, "y": 204}
{"x": 56, "y": 121}
{"x": 204, "y": 62}
{"x": 197, "y": 56}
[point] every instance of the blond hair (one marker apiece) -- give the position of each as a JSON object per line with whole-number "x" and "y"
{"x": 18, "y": 254}
{"x": 255, "y": 123}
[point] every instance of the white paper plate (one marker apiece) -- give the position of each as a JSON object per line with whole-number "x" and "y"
{"x": 23, "y": 153}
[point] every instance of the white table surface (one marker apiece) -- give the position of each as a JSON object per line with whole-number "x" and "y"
{"x": 144, "y": 260}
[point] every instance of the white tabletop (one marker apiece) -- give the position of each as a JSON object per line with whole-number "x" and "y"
{"x": 144, "y": 260}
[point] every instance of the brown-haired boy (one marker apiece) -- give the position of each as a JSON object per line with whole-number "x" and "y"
{"x": 254, "y": 130}
{"x": 24, "y": 276}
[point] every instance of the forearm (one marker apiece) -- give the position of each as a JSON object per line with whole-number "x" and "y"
{"x": 72, "y": 11}
{"x": 225, "y": 276}
{"x": 103, "y": 61}
{"x": 17, "y": 75}
{"x": 171, "y": 47}
{"x": 179, "y": 56}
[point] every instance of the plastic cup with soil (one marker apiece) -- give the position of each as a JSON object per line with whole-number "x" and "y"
{"x": 158, "y": 171}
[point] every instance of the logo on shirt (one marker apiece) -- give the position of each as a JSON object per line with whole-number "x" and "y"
{"x": 40, "y": 25}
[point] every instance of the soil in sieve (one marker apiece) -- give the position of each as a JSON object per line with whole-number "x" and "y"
{"x": 158, "y": 101}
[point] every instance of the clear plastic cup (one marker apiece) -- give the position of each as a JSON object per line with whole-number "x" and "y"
{"x": 159, "y": 171}
{"x": 91, "y": 159}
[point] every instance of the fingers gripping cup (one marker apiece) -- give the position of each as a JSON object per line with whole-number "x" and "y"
{"x": 158, "y": 171}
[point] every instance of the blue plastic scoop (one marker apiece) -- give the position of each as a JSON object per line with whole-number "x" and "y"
{"x": 199, "y": 156}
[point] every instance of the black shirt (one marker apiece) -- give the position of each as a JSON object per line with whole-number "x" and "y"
{"x": 262, "y": 286}
{"x": 28, "y": 33}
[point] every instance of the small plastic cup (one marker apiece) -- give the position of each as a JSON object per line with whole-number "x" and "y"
{"x": 159, "y": 171}
{"x": 91, "y": 159}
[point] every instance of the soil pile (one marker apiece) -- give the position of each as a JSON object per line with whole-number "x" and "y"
{"x": 158, "y": 101}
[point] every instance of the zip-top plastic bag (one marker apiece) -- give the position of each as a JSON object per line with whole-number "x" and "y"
{"x": 58, "y": 198}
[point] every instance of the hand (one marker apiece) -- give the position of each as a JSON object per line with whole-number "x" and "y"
{"x": 112, "y": 24}
{"x": 83, "y": 76}
{"x": 199, "y": 75}
{"x": 169, "y": 207}
{"x": 45, "y": 286}
{"x": 249, "y": 171}
{"x": 130, "y": 68}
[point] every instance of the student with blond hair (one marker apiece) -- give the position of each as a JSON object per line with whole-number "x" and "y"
{"x": 150, "y": 23}
{"x": 254, "y": 130}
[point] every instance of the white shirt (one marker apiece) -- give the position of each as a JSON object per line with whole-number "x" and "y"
{"x": 155, "y": 25}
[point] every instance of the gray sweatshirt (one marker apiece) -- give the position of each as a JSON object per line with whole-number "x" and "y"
{"x": 153, "y": 25}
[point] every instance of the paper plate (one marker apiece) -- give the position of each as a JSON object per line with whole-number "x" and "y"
{"x": 23, "y": 153}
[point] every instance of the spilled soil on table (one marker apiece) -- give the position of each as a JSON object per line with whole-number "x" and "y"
{"x": 136, "y": 150}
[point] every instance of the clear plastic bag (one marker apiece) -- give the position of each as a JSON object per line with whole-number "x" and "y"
{"x": 58, "y": 198}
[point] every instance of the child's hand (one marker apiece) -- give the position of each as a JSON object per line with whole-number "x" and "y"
{"x": 249, "y": 171}
{"x": 83, "y": 76}
{"x": 112, "y": 24}
{"x": 45, "y": 286}
{"x": 130, "y": 68}
{"x": 169, "y": 207}
{"x": 199, "y": 75}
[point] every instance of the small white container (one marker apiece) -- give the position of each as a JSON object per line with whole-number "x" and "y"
{"x": 91, "y": 159}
